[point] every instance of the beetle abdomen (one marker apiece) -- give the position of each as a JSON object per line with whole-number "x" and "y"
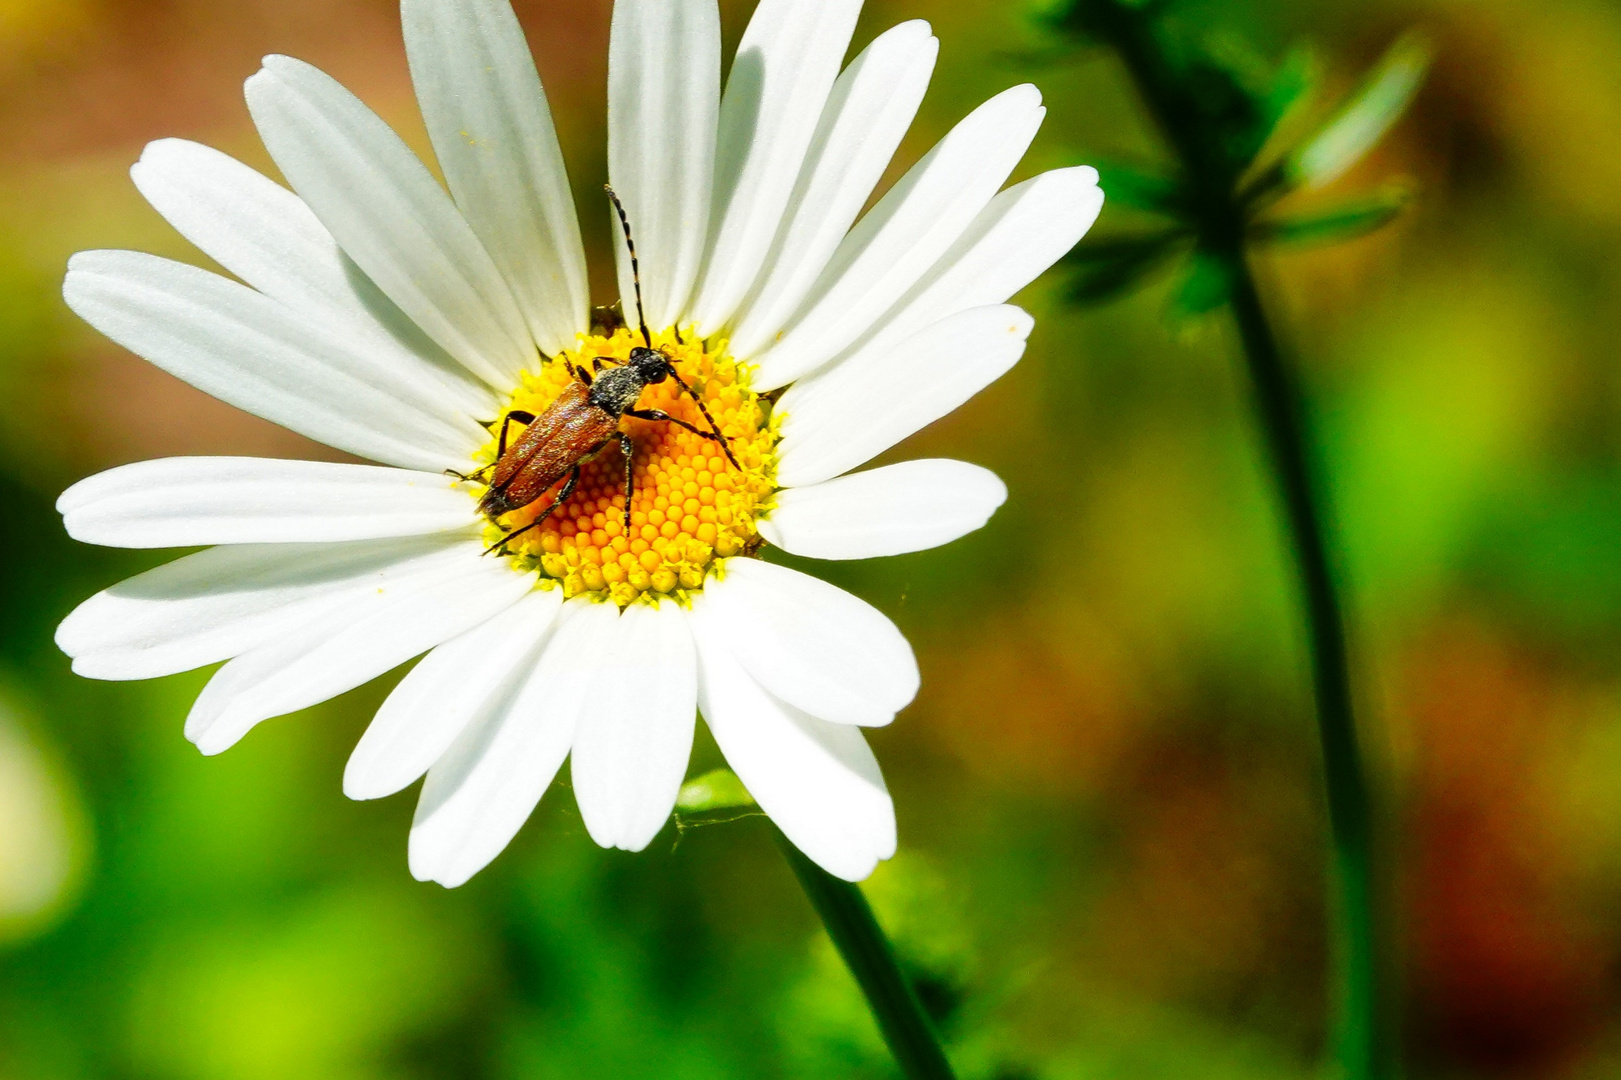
{"x": 569, "y": 430}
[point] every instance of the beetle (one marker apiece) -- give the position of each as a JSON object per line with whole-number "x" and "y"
{"x": 583, "y": 420}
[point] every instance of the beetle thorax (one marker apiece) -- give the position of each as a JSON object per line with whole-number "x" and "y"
{"x": 617, "y": 389}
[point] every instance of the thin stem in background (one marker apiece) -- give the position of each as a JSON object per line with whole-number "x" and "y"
{"x": 1364, "y": 1050}
{"x": 1364, "y": 1047}
{"x": 866, "y": 951}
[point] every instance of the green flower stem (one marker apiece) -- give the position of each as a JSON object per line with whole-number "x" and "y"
{"x": 1363, "y": 1044}
{"x": 1364, "y": 1050}
{"x": 866, "y": 952}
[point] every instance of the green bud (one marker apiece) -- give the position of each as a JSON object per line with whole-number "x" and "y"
{"x": 719, "y": 789}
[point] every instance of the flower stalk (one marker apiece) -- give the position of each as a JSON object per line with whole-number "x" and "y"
{"x": 1215, "y": 147}
{"x": 866, "y": 951}
{"x": 1363, "y": 1048}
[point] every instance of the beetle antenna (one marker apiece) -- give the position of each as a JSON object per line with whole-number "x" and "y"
{"x": 696, "y": 400}
{"x": 635, "y": 268}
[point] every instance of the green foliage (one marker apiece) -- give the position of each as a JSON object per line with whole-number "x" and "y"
{"x": 1292, "y": 84}
{"x": 1104, "y": 269}
{"x": 1337, "y": 223}
{"x": 1231, "y": 110}
{"x": 1141, "y": 189}
{"x": 1094, "y": 21}
{"x": 1365, "y": 116}
{"x": 1220, "y": 105}
{"x": 1244, "y": 96}
{"x": 1205, "y": 286}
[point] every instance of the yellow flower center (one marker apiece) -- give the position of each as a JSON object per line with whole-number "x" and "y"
{"x": 691, "y": 505}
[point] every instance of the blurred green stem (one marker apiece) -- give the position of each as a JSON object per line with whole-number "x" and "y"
{"x": 867, "y": 953}
{"x": 1364, "y": 1049}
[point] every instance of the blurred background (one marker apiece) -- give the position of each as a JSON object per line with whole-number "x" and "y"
{"x": 1112, "y": 833}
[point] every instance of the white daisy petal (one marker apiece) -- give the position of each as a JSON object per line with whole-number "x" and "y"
{"x": 492, "y": 131}
{"x": 390, "y": 215}
{"x": 265, "y": 235}
{"x": 663, "y": 98}
{"x": 913, "y": 506}
{"x": 813, "y": 645}
{"x": 1020, "y": 234}
{"x": 220, "y": 603}
{"x": 252, "y": 352}
{"x": 779, "y": 81}
{"x": 368, "y": 634}
{"x": 901, "y": 238}
{"x": 839, "y": 418}
{"x": 193, "y": 501}
{"x": 480, "y": 793}
{"x": 818, "y": 781}
{"x": 867, "y": 114}
{"x": 630, "y": 752}
{"x": 444, "y": 693}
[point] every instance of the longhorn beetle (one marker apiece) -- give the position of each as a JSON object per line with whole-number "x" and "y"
{"x": 581, "y": 421}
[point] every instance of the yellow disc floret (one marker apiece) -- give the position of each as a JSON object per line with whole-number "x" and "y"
{"x": 691, "y": 505}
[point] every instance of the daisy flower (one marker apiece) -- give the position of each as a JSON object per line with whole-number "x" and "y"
{"x": 386, "y": 316}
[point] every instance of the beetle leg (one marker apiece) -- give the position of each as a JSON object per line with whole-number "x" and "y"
{"x": 477, "y": 475}
{"x": 562, "y": 497}
{"x": 579, "y": 373}
{"x": 628, "y": 449}
{"x": 516, "y": 414}
{"x": 712, "y": 436}
{"x": 660, "y": 414}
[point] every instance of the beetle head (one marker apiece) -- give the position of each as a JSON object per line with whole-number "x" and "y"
{"x": 651, "y": 364}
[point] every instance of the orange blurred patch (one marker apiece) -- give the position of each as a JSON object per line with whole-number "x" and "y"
{"x": 1032, "y": 704}
{"x": 1207, "y": 897}
{"x": 1508, "y": 973}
